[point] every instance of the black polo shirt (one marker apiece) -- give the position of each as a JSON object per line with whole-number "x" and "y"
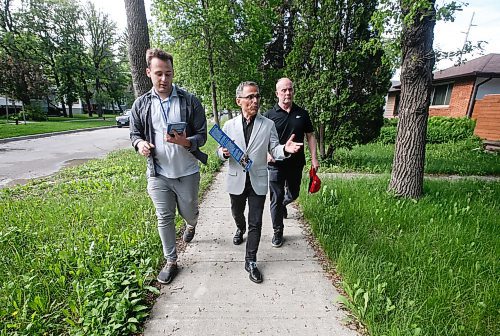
{"x": 296, "y": 122}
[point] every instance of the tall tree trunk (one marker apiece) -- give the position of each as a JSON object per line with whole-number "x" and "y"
{"x": 98, "y": 91}
{"x": 213, "y": 86}
{"x": 138, "y": 43}
{"x": 63, "y": 106}
{"x": 418, "y": 59}
{"x": 119, "y": 106}
{"x": 7, "y": 110}
{"x": 86, "y": 92}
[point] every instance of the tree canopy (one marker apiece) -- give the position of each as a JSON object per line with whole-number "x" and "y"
{"x": 68, "y": 50}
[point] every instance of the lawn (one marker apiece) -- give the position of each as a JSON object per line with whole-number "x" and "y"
{"x": 462, "y": 158}
{"x": 80, "y": 249}
{"x": 427, "y": 267}
{"x": 39, "y": 127}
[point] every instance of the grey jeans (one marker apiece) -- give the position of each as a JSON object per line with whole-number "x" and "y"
{"x": 168, "y": 195}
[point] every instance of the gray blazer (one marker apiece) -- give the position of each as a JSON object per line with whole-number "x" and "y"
{"x": 264, "y": 139}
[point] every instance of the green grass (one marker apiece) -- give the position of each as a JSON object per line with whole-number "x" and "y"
{"x": 461, "y": 158}
{"x": 80, "y": 249}
{"x": 414, "y": 268}
{"x": 40, "y": 127}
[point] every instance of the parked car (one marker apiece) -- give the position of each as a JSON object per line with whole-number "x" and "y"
{"x": 123, "y": 119}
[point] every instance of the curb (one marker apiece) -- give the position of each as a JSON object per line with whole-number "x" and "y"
{"x": 45, "y": 135}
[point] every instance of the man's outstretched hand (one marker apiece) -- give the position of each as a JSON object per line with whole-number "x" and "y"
{"x": 293, "y": 147}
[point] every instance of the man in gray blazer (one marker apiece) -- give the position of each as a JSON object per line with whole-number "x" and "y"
{"x": 256, "y": 136}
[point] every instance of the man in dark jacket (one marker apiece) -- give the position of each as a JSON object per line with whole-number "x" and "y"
{"x": 172, "y": 157}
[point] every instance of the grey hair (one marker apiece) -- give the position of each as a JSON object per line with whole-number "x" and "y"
{"x": 242, "y": 85}
{"x": 282, "y": 80}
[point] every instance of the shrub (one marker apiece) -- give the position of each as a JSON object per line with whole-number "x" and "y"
{"x": 35, "y": 113}
{"x": 446, "y": 129}
{"x": 391, "y": 122}
{"x": 387, "y": 135}
{"x": 439, "y": 130}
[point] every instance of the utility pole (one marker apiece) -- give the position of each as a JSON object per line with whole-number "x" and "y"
{"x": 466, "y": 38}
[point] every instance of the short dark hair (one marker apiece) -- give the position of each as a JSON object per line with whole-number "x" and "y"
{"x": 160, "y": 54}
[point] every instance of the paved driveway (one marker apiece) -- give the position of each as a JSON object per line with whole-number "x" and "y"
{"x": 23, "y": 160}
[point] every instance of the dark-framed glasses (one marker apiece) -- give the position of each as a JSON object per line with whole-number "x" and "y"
{"x": 251, "y": 96}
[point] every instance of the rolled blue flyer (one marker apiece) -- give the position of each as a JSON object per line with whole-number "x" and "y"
{"x": 235, "y": 151}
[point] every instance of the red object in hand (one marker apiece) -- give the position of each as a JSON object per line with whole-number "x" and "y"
{"x": 314, "y": 181}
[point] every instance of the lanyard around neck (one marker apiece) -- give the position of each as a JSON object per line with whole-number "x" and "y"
{"x": 165, "y": 113}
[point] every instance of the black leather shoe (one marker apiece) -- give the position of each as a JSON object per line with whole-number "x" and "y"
{"x": 238, "y": 237}
{"x": 253, "y": 272}
{"x": 277, "y": 239}
{"x": 167, "y": 274}
{"x": 285, "y": 212}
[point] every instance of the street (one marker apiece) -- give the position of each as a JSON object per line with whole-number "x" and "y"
{"x": 23, "y": 160}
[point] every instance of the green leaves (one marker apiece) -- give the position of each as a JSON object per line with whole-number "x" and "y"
{"x": 61, "y": 46}
{"x": 340, "y": 72}
{"x": 416, "y": 272}
{"x": 80, "y": 250}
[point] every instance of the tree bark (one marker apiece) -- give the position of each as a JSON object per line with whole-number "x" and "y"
{"x": 138, "y": 43}
{"x": 416, "y": 84}
{"x": 210, "y": 59}
{"x": 119, "y": 106}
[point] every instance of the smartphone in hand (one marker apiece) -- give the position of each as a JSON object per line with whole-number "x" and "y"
{"x": 178, "y": 127}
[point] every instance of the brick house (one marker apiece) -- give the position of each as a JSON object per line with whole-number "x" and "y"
{"x": 469, "y": 90}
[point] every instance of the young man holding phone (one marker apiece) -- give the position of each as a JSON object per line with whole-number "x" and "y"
{"x": 172, "y": 155}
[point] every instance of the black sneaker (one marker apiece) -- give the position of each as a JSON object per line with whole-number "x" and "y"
{"x": 277, "y": 239}
{"x": 168, "y": 273}
{"x": 253, "y": 272}
{"x": 188, "y": 233}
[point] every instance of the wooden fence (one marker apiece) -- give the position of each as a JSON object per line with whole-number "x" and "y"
{"x": 487, "y": 115}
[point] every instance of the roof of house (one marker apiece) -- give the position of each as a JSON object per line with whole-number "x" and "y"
{"x": 484, "y": 66}
{"x": 395, "y": 86}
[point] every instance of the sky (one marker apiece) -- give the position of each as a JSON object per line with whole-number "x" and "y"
{"x": 448, "y": 36}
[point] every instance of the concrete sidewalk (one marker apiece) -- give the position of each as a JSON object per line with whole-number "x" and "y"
{"x": 212, "y": 294}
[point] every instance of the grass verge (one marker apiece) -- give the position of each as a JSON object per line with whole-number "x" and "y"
{"x": 461, "y": 158}
{"x": 80, "y": 249}
{"x": 413, "y": 268}
{"x": 40, "y": 127}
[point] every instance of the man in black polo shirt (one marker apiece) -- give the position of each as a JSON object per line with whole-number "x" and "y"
{"x": 285, "y": 176}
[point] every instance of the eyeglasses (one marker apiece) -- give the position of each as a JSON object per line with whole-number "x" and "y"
{"x": 251, "y": 96}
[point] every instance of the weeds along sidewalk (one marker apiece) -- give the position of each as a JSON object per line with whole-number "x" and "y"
{"x": 212, "y": 294}
{"x": 491, "y": 178}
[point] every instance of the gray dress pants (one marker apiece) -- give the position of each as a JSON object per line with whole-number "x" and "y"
{"x": 168, "y": 195}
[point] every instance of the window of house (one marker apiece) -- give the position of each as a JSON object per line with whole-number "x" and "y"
{"x": 441, "y": 94}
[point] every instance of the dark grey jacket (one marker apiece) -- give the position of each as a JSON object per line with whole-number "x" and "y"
{"x": 192, "y": 112}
